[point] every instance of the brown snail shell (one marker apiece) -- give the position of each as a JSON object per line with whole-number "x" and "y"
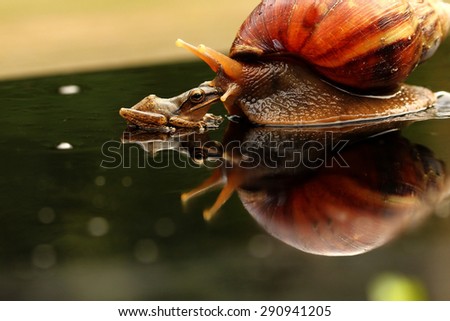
{"x": 360, "y": 44}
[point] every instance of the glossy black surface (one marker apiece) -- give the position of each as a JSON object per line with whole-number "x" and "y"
{"x": 72, "y": 227}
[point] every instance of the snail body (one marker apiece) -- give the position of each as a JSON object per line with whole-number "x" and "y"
{"x": 299, "y": 97}
{"x": 307, "y": 62}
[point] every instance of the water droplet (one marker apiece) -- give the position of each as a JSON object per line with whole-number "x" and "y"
{"x": 442, "y": 104}
{"x": 64, "y": 146}
{"x": 98, "y": 226}
{"x": 69, "y": 90}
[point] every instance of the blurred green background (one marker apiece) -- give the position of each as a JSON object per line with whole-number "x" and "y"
{"x": 41, "y": 37}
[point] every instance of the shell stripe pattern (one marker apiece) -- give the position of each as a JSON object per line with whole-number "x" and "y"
{"x": 363, "y": 44}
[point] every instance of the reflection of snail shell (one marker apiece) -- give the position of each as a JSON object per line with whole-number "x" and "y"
{"x": 351, "y": 210}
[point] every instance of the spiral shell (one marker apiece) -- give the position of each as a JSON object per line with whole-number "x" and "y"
{"x": 363, "y": 44}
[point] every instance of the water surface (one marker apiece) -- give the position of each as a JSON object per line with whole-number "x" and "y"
{"x": 73, "y": 228}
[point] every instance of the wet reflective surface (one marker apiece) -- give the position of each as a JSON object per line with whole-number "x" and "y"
{"x": 84, "y": 216}
{"x": 325, "y": 192}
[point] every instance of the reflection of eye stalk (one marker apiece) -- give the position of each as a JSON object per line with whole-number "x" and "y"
{"x": 196, "y": 146}
{"x": 327, "y": 192}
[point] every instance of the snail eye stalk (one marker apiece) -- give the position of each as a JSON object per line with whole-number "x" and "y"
{"x": 215, "y": 60}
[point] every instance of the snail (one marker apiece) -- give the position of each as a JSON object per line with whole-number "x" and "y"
{"x": 312, "y": 62}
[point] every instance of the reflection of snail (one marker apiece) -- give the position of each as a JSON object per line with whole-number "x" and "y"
{"x": 388, "y": 186}
{"x": 310, "y": 62}
{"x": 186, "y": 142}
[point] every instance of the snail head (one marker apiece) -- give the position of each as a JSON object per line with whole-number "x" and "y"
{"x": 218, "y": 62}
